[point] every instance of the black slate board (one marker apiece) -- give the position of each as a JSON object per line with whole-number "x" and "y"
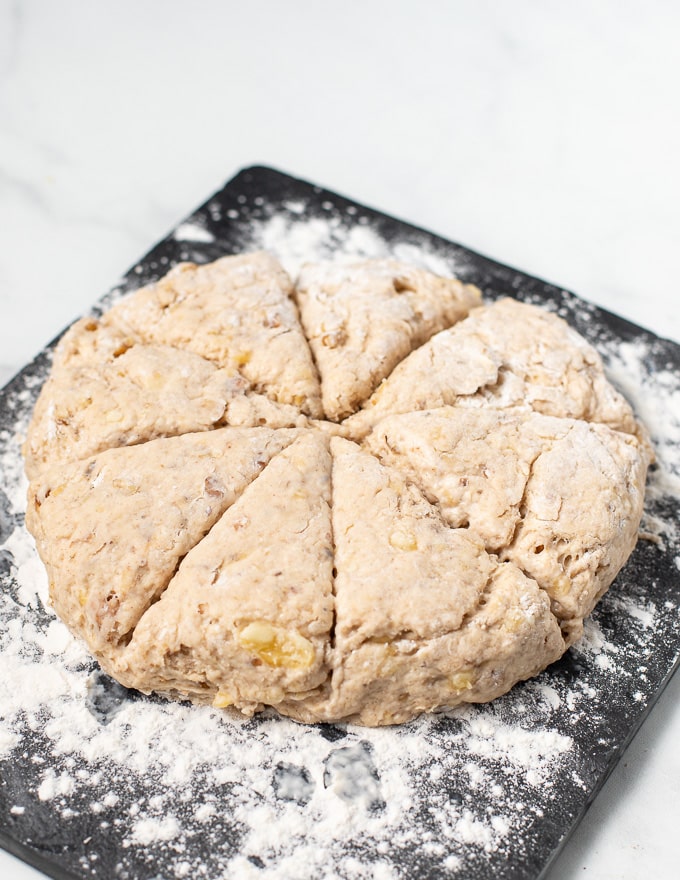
{"x": 597, "y": 706}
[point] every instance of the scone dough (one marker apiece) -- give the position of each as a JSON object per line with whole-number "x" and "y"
{"x": 144, "y": 392}
{"x": 360, "y": 497}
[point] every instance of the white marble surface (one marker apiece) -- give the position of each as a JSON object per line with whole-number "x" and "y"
{"x": 544, "y": 134}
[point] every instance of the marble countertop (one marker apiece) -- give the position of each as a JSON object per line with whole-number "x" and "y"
{"x": 544, "y": 135}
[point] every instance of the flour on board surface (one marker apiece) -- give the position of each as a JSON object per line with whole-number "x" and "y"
{"x": 271, "y": 798}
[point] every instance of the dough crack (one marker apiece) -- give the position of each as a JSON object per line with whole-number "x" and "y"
{"x": 521, "y": 507}
{"x": 334, "y": 575}
{"x": 124, "y": 639}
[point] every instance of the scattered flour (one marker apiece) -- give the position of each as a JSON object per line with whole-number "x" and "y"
{"x": 296, "y": 239}
{"x": 150, "y": 830}
{"x": 193, "y": 232}
{"x": 54, "y": 786}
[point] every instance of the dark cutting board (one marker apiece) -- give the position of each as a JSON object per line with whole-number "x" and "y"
{"x": 480, "y": 792}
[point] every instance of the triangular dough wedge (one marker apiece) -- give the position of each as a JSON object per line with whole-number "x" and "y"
{"x": 581, "y": 513}
{"x": 112, "y": 529}
{"x": 362, "y": 318}
{"x": 107, "y": 391}
{"x": 145, "y": 393}
{"x": 561, "y": 498}
{"x": 502, "y": 355}
{"x": 236, "y": 312}
{"x": 424, "y": 616}
{"x": 247, "y": 619}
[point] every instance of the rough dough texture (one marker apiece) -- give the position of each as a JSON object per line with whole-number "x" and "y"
{"x": 507, "y": 354}
{"x": 503, "y": 476}
{"x": 424, "y": 521}
{"x": 361, "y": 319}
{"x": 258, "y": 645}
{"x": 455, "y": 622}
{"x": 140, "y": 393}
{"x": 113, "y": 528}
{"x": 236, "y": 312}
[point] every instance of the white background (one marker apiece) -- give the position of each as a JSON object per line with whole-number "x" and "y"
{"x": 544, "y": 134}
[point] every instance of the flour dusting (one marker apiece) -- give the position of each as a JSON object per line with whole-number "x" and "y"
{"x": 295, "y": 238}
{"x": 193, "y": 232}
